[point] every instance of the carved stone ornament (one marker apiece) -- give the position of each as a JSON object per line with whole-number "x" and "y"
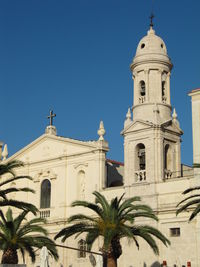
{"x": 81, "y": 166}
{"x": 44, "y": 174}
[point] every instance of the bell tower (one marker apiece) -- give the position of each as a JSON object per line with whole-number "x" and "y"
{"x": 151, "y": 133}
{"x": 151, "y": 68}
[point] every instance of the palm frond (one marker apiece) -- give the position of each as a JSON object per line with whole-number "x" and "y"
{"x": 147, "y": 237}
{"x": 195, "y": 212}
{"x": 10, "y": 166}
{"x": 91, "y": 237}
{"x": 196, "y": 165}
{"x": 15, "y": 178}
{"x": 101, "y": 200}
{"x": 191, "y": 189}
{"x": 80, "y": 217}
{"x": 3, "y": 193}
{"x": 72, "y": 230}
{"x": 187, "y": 198}
{"x": 188, "y": 204}
{"x": 19, "y": 204}
{"x": 127, "y": 203}
{"x": 88, "y": 205}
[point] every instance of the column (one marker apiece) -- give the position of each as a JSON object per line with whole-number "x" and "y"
{"x": 168, "y": 88}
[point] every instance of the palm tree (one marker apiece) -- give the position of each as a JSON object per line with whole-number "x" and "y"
{"x": 113, "y": 221}
{"x": 8, "y": 170}
{"x": 192, "y": 201}
{"x": 20, "y": 234}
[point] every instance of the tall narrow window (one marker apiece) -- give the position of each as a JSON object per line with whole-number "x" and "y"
{"x": 45, "y": 194}
{"x": 164, "y": 98}
{"x": 82, "y": 248}
{"x": 166, "y": 157}
{"x": 142, "y": 92}
{"x": 168, "y": 161}
{"x": 141, "y": 157}
{"x": 163, "y": 85}
{"x": 163, "y": 88}
{"x": 142, "y": 88}
{"x": 140, "y": 163}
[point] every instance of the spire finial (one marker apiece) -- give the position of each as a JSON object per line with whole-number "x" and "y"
{"x": 101, "y": 132}
{"x": 128, "y": 119}
{"x": 174, "y": 115}
{"x": 5, "y": 152}
{"x": 151, "y": 19}
{"x": 128, "y": 114}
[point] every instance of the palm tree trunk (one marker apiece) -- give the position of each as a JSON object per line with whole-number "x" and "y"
{"x": 9, "y": 256}
{"x": 111, "y": 262}
{"x": 104, "y": 261}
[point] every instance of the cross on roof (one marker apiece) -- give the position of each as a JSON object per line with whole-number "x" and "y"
{"x": 151, "y": 19}
{"x": 50, "y": 117}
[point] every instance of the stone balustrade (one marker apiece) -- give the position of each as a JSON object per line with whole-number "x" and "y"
{"x": 45, "y": 213}
{"x": 168, "y": 174}
{"x": 142, "y": 99}
{"x": 140, "y": 175}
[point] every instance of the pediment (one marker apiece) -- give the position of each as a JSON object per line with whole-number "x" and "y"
{"x": 172, "y": 127}
{"x": 137, "y": 125}
{"x": 50, "y": 146}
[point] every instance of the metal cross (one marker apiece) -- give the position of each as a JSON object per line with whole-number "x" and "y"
{"x": 151, "y": 19}
{"x": 50, "y": 117}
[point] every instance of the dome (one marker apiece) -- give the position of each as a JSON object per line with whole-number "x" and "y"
{"x": 151, "y": 47}
{"x": 151, "y": 43}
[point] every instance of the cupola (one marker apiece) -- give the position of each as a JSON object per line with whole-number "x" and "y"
{"x": 151, "y": 48}
{"x": 151, "y": 68}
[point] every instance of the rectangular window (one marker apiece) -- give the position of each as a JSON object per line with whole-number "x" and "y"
{"x": 175, "y": 231}
{"x": 82, "y": 247}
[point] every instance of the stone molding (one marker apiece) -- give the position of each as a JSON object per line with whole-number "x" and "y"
{"x": 44, "y": 174}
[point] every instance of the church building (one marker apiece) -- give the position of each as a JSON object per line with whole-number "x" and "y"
{"x": 65, "y": 169}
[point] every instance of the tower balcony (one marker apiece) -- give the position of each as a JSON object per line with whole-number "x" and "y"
{"x": 167, "y": 174}
{"x": 164, "y": 99}
{"x": 44, "y": 213}
{"x": 142, "y": 99}
{"x": 140, "y": 175}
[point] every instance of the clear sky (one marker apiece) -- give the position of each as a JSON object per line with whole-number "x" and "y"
{"x": 74, "y": 57}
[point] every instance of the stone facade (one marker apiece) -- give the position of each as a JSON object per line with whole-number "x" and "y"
{"x": 152, "y": 167}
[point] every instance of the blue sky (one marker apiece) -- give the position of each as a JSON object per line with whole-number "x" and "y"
{"x": 74, "y": 57}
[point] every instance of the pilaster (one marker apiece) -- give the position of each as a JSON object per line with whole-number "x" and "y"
{"x": 195, "y": 98}
{"x": 168, "y": 88}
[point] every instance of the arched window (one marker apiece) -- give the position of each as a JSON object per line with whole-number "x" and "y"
{"x": 166, "y": 157}
{"x": 168, "y": 161}
{"x": 141, "y": 157}
{"x": 142, "y": 88}
{"x": 82, "y": 247}
{"x": 140, "y": 163}
{"x": 45, "y": 194}
{"x": 163, "y": 91}
{"x": 163, "y": 88}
